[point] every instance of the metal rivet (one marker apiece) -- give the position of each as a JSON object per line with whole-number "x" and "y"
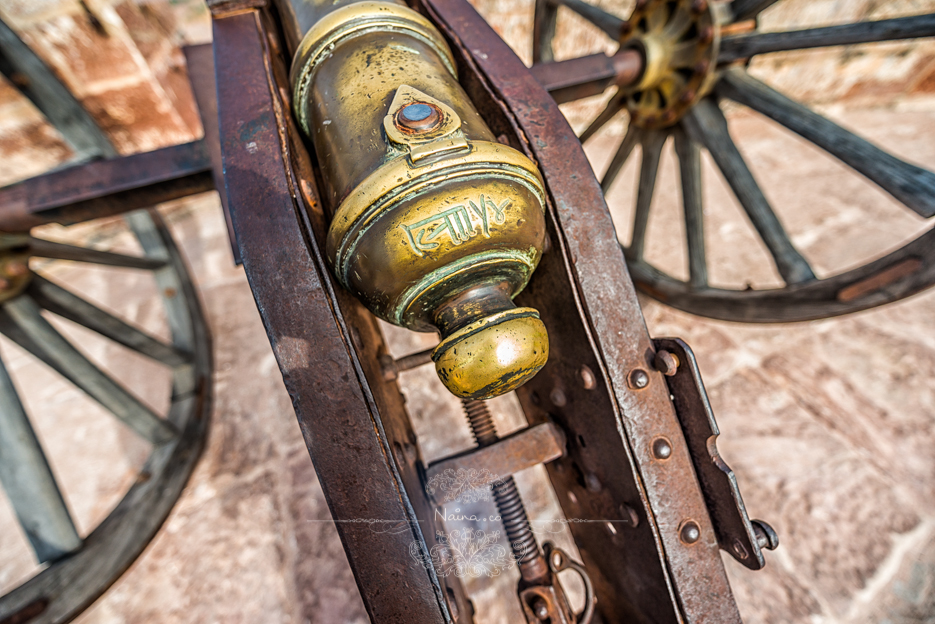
{"x": 662, "y": 448}
{"x": 689, "y": 533}
{"x": 415, "y": 112}
{"x": 666, "y": 363}
{"x": 16, "y": 268}
{"x": 558, "y": 398}
{"x": 593, "y": 483}
{"x": 638, "y": 379}
{"x": 587, "y": 378}
{"x": 699, "y": 6}
{"x": 418, "y": 116}
{"x": 739, "y": 549}
{"x": 541, "y": 609}
{"x": 628, "y": 513}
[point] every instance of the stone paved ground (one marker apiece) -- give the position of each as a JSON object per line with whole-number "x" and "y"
{"x": 828, "y": 424}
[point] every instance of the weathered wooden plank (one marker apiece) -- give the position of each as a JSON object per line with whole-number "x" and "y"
{"x": 689, "y": 155}
{"x": 908, "y": 183}
{"x": 620, "y": 158}
{"x": 610, "y": 111}
{"x": 745, "y": 46}
{"x": 651, "y": 145}
{"x": 60, "y": 251}
{"x": 55, "y": 299}
{"x": 705, "y": 124}
{"x": 543, "y": 32}
{"x": 28, "y": 480}
{"x": 610, "y": 24}
{"x": 748, "y": 9}
{"x": 24, "y": 312}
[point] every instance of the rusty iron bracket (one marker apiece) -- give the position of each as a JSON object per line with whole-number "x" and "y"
{"x": 743, "y": 538}
{"x": 538, "y": 444}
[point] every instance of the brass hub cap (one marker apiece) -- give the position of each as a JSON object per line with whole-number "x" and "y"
{"x": 679, "y": 41}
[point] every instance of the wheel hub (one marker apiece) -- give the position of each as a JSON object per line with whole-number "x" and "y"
{"x": 14, "y": 265}
{"x": 679, "y": 41}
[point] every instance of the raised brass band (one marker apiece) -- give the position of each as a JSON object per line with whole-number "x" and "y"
{"x": 435, "y": 224}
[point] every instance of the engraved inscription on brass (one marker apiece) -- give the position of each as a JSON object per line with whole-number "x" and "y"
{"x": 457, "y": 222}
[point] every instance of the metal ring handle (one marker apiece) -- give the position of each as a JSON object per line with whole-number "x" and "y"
{"x": 559, "y": 561}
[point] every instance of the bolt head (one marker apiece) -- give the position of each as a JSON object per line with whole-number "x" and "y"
{"x": 706, "y": 35}
{"x": 16, "y": 268}
{"x": 666, "y": 363}
{"x": 558, "y": 398}
{"x": 587, "y": 378}
{"x": 638, "y": 379}
{"x": 662, "y": 448}
{"x": 540, "y": 609}
{"x": 418, "y": 117}
{"x": 699, "y": 6}
{"x": 690, "y": 532}
{"x": 766, "y": 536}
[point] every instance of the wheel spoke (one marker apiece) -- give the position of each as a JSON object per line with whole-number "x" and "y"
{"x": 24, "y": 313}
{"x": 745, "y": 46}
{"x": 544, "y": 31}
{"x": 64, "y": 303}
{"x": 689, "y": 155}
{"x": 678, "y": 24}
{"x": 748, "y": 9}
{"x": 630, "y": 140}
{"x": 651, "y": 145}
{"x": 29, "y": 482}
{"x": 913, "y": 186}
{"x": 614, "y": 106}
{"x": 610, "y": 24}
{"x": 60, "y": 251}
{"x": 705, "y": 124}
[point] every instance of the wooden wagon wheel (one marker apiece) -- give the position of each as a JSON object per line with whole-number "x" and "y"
{"x": 676, "y": 61}
{"x": 78, "y": 570}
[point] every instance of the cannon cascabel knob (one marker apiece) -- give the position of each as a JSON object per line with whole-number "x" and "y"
{"x": 436, "y": 225}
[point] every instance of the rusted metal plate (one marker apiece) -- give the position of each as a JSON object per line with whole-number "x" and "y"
{"x": 538, "y": 444}
{"x": 200, "y": 62}
{"x": 668, "y": 568}
{"x": 106, "y": 187}
{"x": 324, "y": 353}
{"x": 734, "y": 531}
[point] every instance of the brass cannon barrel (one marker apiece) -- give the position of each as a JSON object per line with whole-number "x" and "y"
{"x": 435, "y": 225}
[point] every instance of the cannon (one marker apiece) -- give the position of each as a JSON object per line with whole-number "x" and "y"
{"x": 402, "y": 163}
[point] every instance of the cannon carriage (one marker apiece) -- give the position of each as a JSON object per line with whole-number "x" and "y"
{"x": 632, "y": 412}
